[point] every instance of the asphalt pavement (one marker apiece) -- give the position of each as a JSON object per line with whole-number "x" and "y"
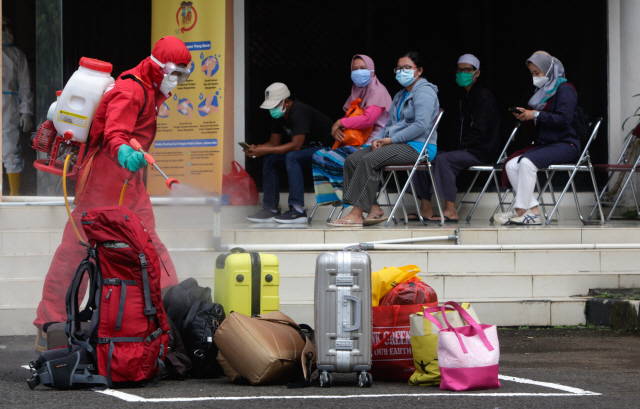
{"x": 548, "y": 368}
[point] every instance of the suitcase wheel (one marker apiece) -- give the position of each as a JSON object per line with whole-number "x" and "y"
{"x": 365, "y": 380}
{"x": 325, "y": 379}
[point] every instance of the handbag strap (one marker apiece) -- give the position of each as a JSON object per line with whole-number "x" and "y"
{"x": 470, "y": 321}
{"x": 427, "y": 316}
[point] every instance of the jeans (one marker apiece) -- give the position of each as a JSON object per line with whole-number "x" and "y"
{"x": 294, "y": 162}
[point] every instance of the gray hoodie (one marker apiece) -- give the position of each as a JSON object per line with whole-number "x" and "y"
{"x": 417, "y": 115}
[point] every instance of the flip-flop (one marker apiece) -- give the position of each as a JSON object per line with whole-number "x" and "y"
{"x": 446, "y": 220}
{"x": 347, "y": 224}
{"x": 415, "y": 218}
{"x": 375, "y": 220}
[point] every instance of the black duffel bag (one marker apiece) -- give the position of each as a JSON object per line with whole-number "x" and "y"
{"x": 198, "y": 329}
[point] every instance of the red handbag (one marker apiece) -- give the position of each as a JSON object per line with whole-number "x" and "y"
{"x": 239, "y": 186}
{"x": 392, "y": 355}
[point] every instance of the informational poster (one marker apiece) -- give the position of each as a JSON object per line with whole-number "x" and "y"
{"x": 188, "y": 144}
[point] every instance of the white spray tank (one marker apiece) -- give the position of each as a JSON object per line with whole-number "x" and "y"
{"x": 78, "y": 102}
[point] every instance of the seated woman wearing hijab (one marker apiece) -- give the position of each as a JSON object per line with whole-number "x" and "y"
{"x": 548, "y": 121}
{"x": 412, "y": 114}
{"x": 375, "y": 100}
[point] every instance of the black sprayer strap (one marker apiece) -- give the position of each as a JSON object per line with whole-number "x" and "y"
{"x": 256, "y": 283}
{"x": 133, "y": 77}
{"x": 73, "y": 314}
{"x": 149, "y": 309}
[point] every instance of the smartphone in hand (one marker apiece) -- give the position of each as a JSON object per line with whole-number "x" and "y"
{"x": 244, "y": 145}
{"x": 515, "y": 110}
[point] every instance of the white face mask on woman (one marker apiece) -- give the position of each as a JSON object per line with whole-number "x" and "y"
{"x": 540, "y": 81}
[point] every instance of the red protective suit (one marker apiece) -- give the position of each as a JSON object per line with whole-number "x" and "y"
{"x": 116, "y": 121}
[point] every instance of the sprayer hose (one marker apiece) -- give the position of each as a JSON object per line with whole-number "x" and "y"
{"x": 66, "y": 199}
{"x": 124, "y": 187}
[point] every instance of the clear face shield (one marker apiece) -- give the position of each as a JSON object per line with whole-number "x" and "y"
{"x": 169, "y": 68}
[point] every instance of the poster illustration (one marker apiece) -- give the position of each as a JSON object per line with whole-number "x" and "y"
{"x": 188, "y": 144}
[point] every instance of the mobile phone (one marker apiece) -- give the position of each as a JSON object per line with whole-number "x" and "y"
{"x": 515, "y": 110}
{"x": 244, "y": 145}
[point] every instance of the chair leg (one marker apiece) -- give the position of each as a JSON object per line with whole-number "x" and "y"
{"x": 473, "y": 182}
{"x": 599, "y": 198}
{"x": 341, "y": 211}
{"x": 401, "y": 199}
{"x": 572, "y": 175}
{"x": 404, "y": 189}
{"x": 484, "y": 189}
{"x": 313, "y": 212}
{"x": 575, "y": 198}
{"x": 435, "y": 192}
{"x": 418, "y": 205}
{"x": 333, "y": 210}
{"x": 501, "y": 204}
{"x": 626, "y": 182}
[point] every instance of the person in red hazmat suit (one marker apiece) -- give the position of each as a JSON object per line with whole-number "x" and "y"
{"x": 127, "y": 110}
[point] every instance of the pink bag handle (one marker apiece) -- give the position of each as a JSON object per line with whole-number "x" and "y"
{"x": 427, "y": 315}
{"x": 470, "y": 321}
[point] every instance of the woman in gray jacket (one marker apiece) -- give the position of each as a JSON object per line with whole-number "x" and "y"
{"x": 411, "y": 117}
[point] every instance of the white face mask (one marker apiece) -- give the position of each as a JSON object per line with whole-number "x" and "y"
{"x": 540, "y": 81}
{"x": 169, "y": 82}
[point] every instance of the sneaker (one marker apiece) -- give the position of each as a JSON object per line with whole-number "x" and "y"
{"x": 263, "y": 216}
{"x": 292, "y": 216}
{"x": 503, "y": 218}
{"x": 528, "y": 219}
{"x": 41, "y": 341}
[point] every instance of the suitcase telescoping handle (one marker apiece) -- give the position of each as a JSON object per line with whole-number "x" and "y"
{"x": 356, "y": 325}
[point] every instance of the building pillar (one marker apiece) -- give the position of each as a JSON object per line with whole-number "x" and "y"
{"x": 624, "y": 76}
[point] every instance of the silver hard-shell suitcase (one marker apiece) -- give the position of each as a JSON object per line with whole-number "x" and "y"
{"x": 343, "y": 317}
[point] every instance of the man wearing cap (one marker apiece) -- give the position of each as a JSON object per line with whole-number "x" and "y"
{"x": 297, "y": 132}
{"x": 474, "y": 141}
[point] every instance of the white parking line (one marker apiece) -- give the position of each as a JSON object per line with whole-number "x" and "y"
{"x": 568, "y": 391}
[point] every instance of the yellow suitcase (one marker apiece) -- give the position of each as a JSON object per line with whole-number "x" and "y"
{"x": 247, "y": 283}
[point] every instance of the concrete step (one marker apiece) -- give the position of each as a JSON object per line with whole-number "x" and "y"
{"x": 18, "y": 319}
{"x": 45, "y": 240}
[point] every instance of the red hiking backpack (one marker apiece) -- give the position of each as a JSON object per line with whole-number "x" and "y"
{"x": 132, "y": 333}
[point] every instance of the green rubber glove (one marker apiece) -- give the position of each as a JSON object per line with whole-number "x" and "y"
{"x": 131, "y": 159}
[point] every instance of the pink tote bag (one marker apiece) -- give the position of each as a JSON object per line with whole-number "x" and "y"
{"x": 468, "y": 356}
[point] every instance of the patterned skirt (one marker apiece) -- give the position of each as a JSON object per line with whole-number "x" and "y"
{"x": 328, "y": 173}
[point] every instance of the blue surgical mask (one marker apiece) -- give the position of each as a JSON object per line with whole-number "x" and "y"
{"x": 405, "y": 79}
{"x": 361, "y": 78}
{"x": 277, "y": 112}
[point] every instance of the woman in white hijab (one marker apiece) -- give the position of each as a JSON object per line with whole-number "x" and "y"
{"x": 548, "y": 121}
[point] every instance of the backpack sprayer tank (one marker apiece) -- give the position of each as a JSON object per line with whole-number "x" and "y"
{"x": 66, "y": 129}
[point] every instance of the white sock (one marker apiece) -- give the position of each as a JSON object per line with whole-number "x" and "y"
{"x": 298, "y": 208}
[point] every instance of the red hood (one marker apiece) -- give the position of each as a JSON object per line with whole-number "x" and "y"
{"x": 166, "y": 49}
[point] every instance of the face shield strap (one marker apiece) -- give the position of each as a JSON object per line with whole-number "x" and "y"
{"x": 170, "y": 68}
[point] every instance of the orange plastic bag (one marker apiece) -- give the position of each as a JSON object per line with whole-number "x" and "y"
{"x": 354, "y": 137}
{"x": 240, "y": 187}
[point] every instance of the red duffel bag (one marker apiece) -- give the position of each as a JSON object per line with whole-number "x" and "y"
{"x": 239, "y": 186}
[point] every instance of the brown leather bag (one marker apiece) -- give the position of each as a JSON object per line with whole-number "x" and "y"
{"x": 267, "y": 349}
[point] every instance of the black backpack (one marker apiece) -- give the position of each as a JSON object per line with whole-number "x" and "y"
{"x": 198, "y": 329}
{"x": 197, "y": 318}
{"x": 177, "y": 363}
{"x": 580, "y": 124}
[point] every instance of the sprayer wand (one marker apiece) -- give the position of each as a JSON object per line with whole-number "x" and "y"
{"x": 150, "y": 160}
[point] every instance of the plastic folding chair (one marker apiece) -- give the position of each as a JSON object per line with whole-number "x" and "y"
{"x": 493, "y": 176}
{"x": 582, "y": 165}
{"x": 423, "y": 163}
{"x": 621, "y": 166}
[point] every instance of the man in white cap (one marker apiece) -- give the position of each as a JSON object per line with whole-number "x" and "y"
{"x": 475, "y": 141}
{"x": 297, "y": 132}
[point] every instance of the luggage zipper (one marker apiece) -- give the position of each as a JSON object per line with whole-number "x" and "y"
{"x": 256, "y": 283}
